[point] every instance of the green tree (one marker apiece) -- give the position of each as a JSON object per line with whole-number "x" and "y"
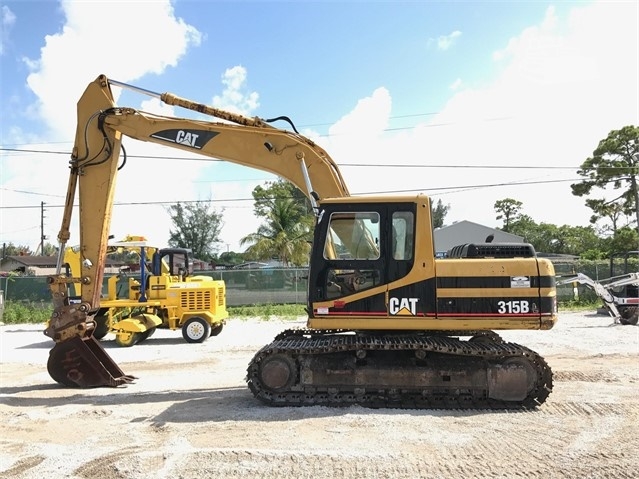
{"x": 525, "y": 227}
{"x": 439, "y": 214}
{"x": 196, "y": 226}
{"x": 9, "y": 249}
{"x": 279, "y": 189}
{"x": 282, "y": 236}
{"x": 624, "y": 239}
{"x": 576, "y": 240}
{"x": 614, "y": 212}
{"x": 230, "y": 257}
{"x": 287, "y": 229}
{"x": 507, "y": 210}
{"x": 549, "y": 238}
{"x": 614, "y": 165}
{"x": 543, "y": 236}
{"x": 49, "y": 250}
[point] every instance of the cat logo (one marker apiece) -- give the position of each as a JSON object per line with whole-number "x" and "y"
{"x": 186, "y": 138}
{"x": 403, "y": 306}
{"x": 192, "y": 138}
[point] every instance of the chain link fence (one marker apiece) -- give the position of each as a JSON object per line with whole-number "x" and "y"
{"x": 598, "y": 270}
{"x": 289, "y": 285}
{"x": 243, "y": 287}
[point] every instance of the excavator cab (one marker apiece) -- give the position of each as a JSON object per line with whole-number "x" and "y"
{"x": 359, "y": 249}
{"x": 622, "y": 264}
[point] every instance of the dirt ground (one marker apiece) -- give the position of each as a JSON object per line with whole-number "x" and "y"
{"x": 190, "y": 415}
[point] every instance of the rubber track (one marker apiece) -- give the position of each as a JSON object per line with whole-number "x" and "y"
{"x": 295, "y": 343}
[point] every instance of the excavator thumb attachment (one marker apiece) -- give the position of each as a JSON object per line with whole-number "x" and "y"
{"x": 83, "y": 362}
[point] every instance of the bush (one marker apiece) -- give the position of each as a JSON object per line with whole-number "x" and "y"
{"x": 17, "y": 312}
{"x": 265, "y": 311}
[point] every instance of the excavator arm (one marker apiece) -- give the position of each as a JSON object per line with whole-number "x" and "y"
{"x": 77, "y": 359}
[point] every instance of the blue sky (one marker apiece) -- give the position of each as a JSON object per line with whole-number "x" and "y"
{"x": 453, "y": 88}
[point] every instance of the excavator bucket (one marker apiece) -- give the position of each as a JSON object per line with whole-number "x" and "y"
{"x": 83, "y": 362}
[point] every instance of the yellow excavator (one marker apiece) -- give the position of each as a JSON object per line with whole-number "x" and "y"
{"x": 166, "y": 295}
{"x": 389, "y": 325}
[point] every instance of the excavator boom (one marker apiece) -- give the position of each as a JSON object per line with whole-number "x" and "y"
{"x": 93, "y": 172}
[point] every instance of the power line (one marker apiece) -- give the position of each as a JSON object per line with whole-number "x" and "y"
{"x": 307, "y": 125}
{"x": 481, "y": 167}
{"x": 350, "y": 165}
{"x": 390, "y": 118}
{"x": 457, "y": 189}
{"x": 135, "y": 203}
{"x": 20, "y": 230}
{"x": 31, "y": 192}
{"x": 449, "y": 189}
{"x": 52, "y": 152}
{"x": 397, "y": 117}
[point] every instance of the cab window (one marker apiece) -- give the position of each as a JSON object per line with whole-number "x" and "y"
{"x": 403, "y": 235}
{"x": 353, "y": 236}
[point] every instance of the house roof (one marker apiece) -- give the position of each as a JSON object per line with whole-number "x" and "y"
{"x": 465, "y": 231}
{"x": 469, "y": 225}
{"x": 478, "y": 227}
{"x": 38, "y": 261}
{"x": 44, "y": 261}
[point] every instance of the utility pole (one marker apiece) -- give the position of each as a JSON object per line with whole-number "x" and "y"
{"x": 42, "y": 235}
{"x": 636, "y": 187}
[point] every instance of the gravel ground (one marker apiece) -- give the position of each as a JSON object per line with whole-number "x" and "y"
{"x": 190, "y": 415}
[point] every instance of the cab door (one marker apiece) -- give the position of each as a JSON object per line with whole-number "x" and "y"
{"x": 358, "y": 249}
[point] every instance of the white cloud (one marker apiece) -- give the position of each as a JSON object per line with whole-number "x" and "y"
{"x": 83, "y": 49}
{"x": 157, "y": 107}
{"x": 357, "y": 138}
{"x": 544, "y": 54}
{"x": 444, "y": 42}
{"x": 563, "y": 85}
{"x": 238, "y": 216}
{"x": 8, "y": 17}
{"x": 68, "y": 61}
{"x": 369, "y": 117}
{"x": 7, "y": 21}
{"x": 456, "y": 85}
{"x": 235, "y": 97}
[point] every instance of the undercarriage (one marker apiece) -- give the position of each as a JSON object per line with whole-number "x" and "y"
{"x": 398, "y": 370}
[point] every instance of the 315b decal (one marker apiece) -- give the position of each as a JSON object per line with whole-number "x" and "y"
{"x": 517, "y": 306}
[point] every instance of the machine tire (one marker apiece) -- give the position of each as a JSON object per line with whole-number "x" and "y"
{"x": 146, "y": 334}
{"x": 126, "y": 340}
{"x": 629, "y": 316}
{"x": 196, "y": 330}
{"x": 101, "y": 327}
{"x": 217, "y": 329}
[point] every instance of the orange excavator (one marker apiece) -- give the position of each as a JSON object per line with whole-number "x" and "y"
{"x": 389, "y": 325}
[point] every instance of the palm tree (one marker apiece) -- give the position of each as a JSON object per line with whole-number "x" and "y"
{"x": 286, "y": 234}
